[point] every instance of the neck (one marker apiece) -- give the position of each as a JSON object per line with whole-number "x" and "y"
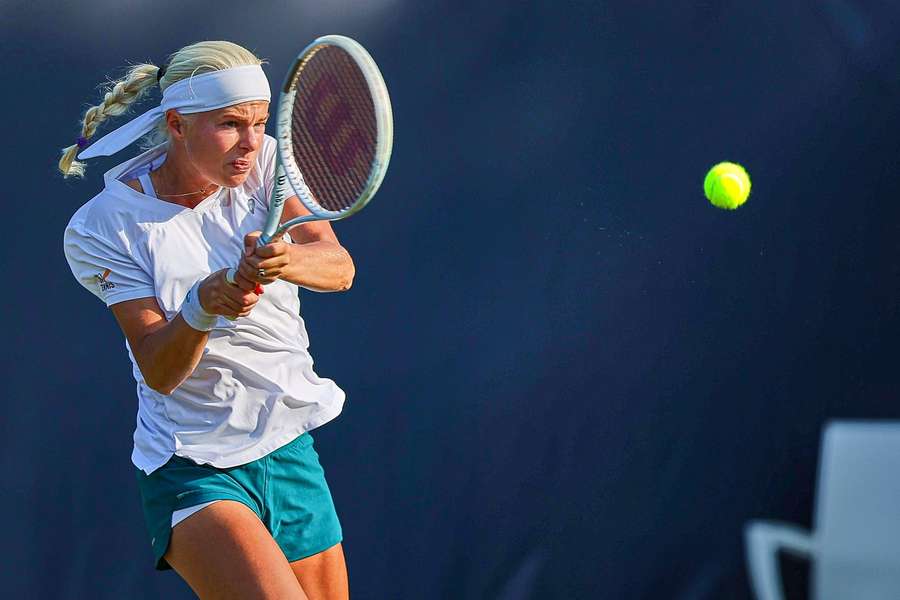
{"x": 177, "y": 180}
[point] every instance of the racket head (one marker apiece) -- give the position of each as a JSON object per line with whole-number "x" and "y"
{"x": 334, "y": 127}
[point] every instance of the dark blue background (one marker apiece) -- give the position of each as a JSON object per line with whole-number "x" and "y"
{"x": 568, "y": 375}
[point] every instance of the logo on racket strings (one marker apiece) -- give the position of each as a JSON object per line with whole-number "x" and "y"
{"x": 105, "y": 285}
{"x": 332, "y": 126}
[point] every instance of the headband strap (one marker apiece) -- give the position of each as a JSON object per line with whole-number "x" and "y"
{"x": 199, "y": 93}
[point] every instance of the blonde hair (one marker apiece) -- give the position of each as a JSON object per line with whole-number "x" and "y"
{"x": 202, "y": 57}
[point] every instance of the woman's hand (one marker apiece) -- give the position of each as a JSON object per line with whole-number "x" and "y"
{"x": 218, "y": 297}
{"x": 272, "y": 259}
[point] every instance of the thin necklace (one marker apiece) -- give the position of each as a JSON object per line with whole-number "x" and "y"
{"x": 203, "y": 191}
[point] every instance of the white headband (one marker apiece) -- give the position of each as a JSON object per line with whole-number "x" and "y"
{"x": 199, "y": 93}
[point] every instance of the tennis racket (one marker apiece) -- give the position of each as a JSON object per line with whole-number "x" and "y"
{"x": 334, "y": 129}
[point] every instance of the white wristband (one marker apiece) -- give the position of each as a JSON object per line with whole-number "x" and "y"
{"x": 193, "y": 314}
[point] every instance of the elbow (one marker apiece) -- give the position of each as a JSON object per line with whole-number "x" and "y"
{"x": 347, "y": 281}
{"x": 160, "y": 372}
{"x": 160, "y": 387}
{"x": 152, "y": 377}
{"x": 161, "y": 384}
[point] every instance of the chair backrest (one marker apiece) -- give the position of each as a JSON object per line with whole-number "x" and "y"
{"x": 857, "y": 518}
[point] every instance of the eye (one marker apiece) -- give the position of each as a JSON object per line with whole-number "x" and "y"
{"x": 230, "y": 124}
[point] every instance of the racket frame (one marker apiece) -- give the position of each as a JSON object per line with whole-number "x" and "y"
{"x": 287, "y": 174}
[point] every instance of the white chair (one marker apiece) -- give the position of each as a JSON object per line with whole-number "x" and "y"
{"x": 855, "y": 544}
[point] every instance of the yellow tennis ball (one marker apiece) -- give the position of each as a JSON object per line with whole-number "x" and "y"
{"x": 727, "y": 185}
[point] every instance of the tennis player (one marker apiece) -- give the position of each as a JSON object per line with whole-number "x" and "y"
{"x": 234, "y": 496}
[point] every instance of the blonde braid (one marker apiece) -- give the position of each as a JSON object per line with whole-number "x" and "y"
{"x": 198, "y": 58}
{"x": 116, "y": 101}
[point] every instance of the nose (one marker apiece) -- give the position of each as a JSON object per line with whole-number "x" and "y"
{"x": 250, "y": 139}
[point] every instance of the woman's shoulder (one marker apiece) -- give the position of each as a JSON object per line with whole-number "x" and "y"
{"x": 96, "y": 210}
{"x": 117, "y": 211}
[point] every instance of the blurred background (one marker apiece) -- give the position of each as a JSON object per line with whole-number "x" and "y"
{"x": 567, "y": 374}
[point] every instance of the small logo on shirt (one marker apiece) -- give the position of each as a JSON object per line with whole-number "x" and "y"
{"x": 105, "y": 285}
{"x": 251, "y": 205}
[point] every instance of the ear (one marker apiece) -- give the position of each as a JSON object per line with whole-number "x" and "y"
{"x": 176, "y": 124}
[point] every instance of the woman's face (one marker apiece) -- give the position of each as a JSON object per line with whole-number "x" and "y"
{"x": 222, "y": 144}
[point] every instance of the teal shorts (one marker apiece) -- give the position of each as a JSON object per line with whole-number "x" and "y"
{"x": 286, "y": 489}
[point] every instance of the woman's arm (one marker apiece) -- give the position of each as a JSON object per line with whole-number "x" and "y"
{"x": 316, "y": 260}
{"x": 167, "y": 352}
{"x": 320, "y": 265}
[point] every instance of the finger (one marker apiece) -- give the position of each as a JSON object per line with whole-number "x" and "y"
{"x": 249, "y": 300}
{"x": 278, "y": 262}
{"x": 251, "y": 260}
{"x": 222, "y": 308}
{"x": 243, "y": 282}
{"x": 250, "y": 272}
{"x": 250, "y": 242}
{"x": 222, "y": 278}
{"x": 247, "y": 307}
{"x": 242, "y": 298}
{"x": 272, "y": 275}
{"x": 232, "y": 301}
{"x": 233, "y": 297}
{"x": 271, "y": 249}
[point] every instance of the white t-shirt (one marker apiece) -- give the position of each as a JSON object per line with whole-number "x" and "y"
{"x": 254, "y": 389}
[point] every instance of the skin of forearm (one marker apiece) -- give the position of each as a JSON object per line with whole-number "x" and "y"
{"x": 322, "y": 266}
{"x": 170, "y": 354}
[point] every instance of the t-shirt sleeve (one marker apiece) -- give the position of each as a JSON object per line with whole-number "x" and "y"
{"x": 105, "y": 268}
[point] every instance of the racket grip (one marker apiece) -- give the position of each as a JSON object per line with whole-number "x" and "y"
{"x": 229, "y": 277}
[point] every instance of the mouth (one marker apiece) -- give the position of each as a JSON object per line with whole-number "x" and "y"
{"x": 240, "y": 165}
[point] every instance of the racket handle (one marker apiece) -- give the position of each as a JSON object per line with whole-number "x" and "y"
{"x": 229, "y": 277}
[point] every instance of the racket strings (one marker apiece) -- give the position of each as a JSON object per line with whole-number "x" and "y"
{"x": 334, "y": 129}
